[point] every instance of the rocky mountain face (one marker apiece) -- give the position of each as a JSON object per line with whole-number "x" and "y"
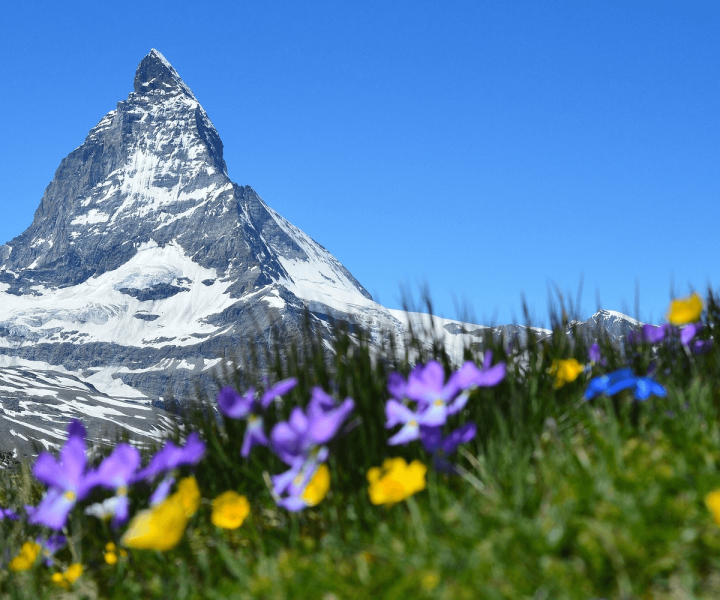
{"x": 145, "y": 267}
{"x": 615, "y": 325}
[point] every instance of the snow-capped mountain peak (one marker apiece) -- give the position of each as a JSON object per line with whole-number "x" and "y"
{"x": 156, "y": 74}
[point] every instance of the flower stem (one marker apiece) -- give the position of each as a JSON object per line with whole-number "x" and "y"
{"x": 417, "y": 522}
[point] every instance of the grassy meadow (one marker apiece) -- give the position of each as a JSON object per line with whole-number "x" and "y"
{"x": 555, "y": 496}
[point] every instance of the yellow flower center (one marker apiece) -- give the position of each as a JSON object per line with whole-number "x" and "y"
{"x": 122, "y": 490}
{"x": 412, "y": 423}
{"x": 438, "y": 402}
{"x": 70, "y": 496}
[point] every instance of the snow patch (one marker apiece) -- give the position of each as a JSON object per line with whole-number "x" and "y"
{"x": 93, "y": 216}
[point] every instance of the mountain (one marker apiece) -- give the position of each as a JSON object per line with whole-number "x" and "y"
{"x": 38, "y": 400}
{"x": 146, "y": 267}
{"x": 607, "y": 322}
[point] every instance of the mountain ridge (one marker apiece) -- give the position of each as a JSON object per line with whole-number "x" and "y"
{"x": 145, "y": 266}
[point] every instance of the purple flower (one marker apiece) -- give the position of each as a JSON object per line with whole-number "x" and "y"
{"x": 117, "y": 472}
{"x": 249, "y": 407}
{"x": 470, "y": 377}
{"x": 701, "y": 346}
{"x": 172, "y": 456}
{"x": 307, "y": 432}
{"x": 65, "y": 477}
{"x": 162, "y": 490}
{"x": 442, "y": 447}
{"x": 289, "y": 486}
{"x": 397, "y": 386}
{"x": 49, "y": 546}
{"x": 437, "y": 398}
{"x": 688, "y": 335}
{"x": 594, "y": 354}
{"x": 653, "y": 334}
{"x": 612, "y": 383}
{"x": 9, "y": 514}
{"x": 233, "y": 405}
{"x": 397, "y": 413}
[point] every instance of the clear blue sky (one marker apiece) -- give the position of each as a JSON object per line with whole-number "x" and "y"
{"x": 489, "y": 149}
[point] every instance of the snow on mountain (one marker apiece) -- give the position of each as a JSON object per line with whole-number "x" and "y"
{"x": 39, "y": 399}
{"x": 145, "y": 267}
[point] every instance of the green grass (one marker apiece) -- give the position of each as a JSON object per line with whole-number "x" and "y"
{"x": 558, "y": 498}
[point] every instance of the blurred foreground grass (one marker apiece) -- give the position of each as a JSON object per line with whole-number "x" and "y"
{"x": 557, "y": 498}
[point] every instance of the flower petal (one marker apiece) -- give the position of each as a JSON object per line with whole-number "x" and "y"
{"x": 645, "y": 387}
{"x": 425, "y": 383}
{"x": 324, "y": 428}
{"x": 407, "y": 433}
{"x": 279, "y": 389}
{"x": 689, "y": 332}
{"x": 460, "y": 436}
{"x": 53, "y": 508}
{"x": 162, "y": 490}
{"x": 254, "y": 436}
{"x": 116, "y": 470}
{"x": 434, "y": 415}
{"x": 233, "y": 405}
{"x": 397, "y": 386}
{"x": 458, "y": 404}
{"x": 431, "y": 438}
{"x": 285, "y": 442}
{"x": 397, "y": 413}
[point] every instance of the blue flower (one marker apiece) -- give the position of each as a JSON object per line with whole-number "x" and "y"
{"x": 612, "y": 383}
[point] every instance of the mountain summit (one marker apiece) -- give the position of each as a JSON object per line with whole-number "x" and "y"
{"x": 145, "y": 262}
{"x": 152, "y": 173}
{"x": 156, "y": 74}
{"x": 144, "y": 266}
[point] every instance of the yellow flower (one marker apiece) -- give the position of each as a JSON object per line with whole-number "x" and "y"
{"x": 685, "y": 310}
{"x": 111, "y": 553}
{"x": 318, "y": 487}
{"x": 26, "y": 557}
{"x": 565, "y": 371}
{"x": 395, "y": 481}
{"x": 189, "y": 495}
{"x": 70, "y": 576}
{"x": 73, "y": 572}
{"x": 430, "y": 581}
{"x": 229, "y": 510}
{"x": 712, "y": 501}
{"x": 158, "y": 528}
